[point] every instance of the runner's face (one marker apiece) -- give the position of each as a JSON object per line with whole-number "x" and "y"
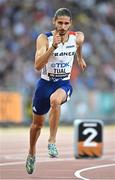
{"x": 62, "y": 24}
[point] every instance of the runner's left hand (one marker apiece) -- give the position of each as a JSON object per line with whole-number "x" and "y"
{"x": 82, "y": 64}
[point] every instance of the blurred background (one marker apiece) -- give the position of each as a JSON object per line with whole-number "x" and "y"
{"x": 94, "y": 90}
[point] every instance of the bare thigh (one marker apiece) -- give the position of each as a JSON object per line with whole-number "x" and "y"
{"x": 60, "y": 95}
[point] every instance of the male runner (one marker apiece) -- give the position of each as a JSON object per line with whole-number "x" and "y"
{"x": 55, "y": 52}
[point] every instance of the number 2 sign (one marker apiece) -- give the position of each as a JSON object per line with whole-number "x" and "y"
{"x": 88, "y": 138}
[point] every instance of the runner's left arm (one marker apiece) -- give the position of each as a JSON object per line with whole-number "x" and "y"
{"x": 80, "y": 41}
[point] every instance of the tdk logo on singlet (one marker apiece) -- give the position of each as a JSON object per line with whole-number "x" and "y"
{"x": 60, "y": 65}
{"x": 64, "y": 54}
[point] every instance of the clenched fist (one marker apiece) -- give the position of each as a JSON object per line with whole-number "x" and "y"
{"x": 56, "y": 39}
{"x": 82, "y": 64}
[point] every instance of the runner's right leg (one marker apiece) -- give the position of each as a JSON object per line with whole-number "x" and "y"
{"x": 35, "y": 129}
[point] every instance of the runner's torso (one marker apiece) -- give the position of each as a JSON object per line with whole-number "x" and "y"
{"x": 60, "y": 63}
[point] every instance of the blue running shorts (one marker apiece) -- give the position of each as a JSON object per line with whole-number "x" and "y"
{"x": 43, "y": 91}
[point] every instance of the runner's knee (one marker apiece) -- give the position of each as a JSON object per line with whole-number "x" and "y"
{"x": 54, "y": 102}
{"x": 37, "y": 124}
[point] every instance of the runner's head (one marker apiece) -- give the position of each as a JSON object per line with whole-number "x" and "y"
{"x": 62, "y": 20}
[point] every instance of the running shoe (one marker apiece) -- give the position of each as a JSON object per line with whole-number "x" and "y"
{"x": 30, "y": 164}
{"x": 52, "y": 150}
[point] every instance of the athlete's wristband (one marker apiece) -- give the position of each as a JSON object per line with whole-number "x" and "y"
{"x": 55, "y": 47}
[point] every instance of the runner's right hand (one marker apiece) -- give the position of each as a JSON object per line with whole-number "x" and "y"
{"x": 56, "y": 39}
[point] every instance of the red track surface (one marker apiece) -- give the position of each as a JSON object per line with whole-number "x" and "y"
{"x": 14, "y": 148}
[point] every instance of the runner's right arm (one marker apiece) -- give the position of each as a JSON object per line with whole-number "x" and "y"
{"x": 43, "y": 52}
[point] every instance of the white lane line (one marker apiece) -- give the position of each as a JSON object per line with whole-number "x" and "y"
{"x": 40, "y": 161}
{"x": 11, "y": 163}
{"x": 77, "y": 173}
{"x": 24, "y": 154}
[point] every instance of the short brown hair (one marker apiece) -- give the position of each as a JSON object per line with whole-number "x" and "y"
{"x": 63, "y": 12}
